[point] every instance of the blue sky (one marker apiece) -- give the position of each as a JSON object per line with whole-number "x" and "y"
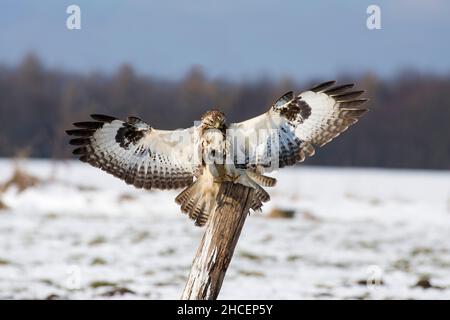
{"x": 234, "y": 39}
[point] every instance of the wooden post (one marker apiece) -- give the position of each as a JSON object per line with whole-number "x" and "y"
{"x": 217, "y": 245}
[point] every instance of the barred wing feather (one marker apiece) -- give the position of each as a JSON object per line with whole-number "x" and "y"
{"x": 290, "y": 129}
{"x": 137, "y": 153}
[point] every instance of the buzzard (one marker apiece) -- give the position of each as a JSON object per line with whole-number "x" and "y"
{"x": 211, "y": 152}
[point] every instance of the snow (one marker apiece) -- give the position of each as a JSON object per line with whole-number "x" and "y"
{"x": 81, "y": 233}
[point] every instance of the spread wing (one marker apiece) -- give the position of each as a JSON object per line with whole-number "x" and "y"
{"x": 137, "y": 153}
{"x": 288, "y": 132}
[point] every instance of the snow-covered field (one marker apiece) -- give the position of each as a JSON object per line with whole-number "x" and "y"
{"x": 356, "y": 234}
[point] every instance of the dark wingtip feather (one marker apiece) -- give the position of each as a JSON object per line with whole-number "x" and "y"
{"x": 80, "y": 132}
{"x": 322, "y": 86}
{"x": 79, "y": 151}
{"x": 103, "y": 118}
{"x": 352, "y": 103}
{"x": 88, "y": 125}
{"x": 339, "y": 89}
{"x": 79, "y": 141}
{"x": 348, "y": 95}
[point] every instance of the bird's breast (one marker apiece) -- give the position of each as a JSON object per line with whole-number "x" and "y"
{"x": 213, "y": 147}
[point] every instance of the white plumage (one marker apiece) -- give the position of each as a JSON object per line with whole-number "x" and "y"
{"x": 202, "y": 157}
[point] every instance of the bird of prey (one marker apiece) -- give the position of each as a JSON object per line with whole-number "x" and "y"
{"x": 212, "y": 152}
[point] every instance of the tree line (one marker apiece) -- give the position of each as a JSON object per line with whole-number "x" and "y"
{"x": 407, "y": 127}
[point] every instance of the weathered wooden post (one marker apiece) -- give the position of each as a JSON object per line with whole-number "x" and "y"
{"x": 217, "y": 245}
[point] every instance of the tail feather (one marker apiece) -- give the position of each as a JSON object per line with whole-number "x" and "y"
{"x": 198, "y": 200}
{"x": 255, "y": 180}
{"x": 190, "y": 207}
{"x": 256, "y": 204}
{"x": 262, "y": 194}
{"x": 262, "y": 179}
{"x": 259, "y": 197}
{"x": 183, "y": 196}
{"x": 202, "y": 214}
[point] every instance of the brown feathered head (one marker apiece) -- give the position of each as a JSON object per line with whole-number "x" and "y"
{"x": 214, "y": 119}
